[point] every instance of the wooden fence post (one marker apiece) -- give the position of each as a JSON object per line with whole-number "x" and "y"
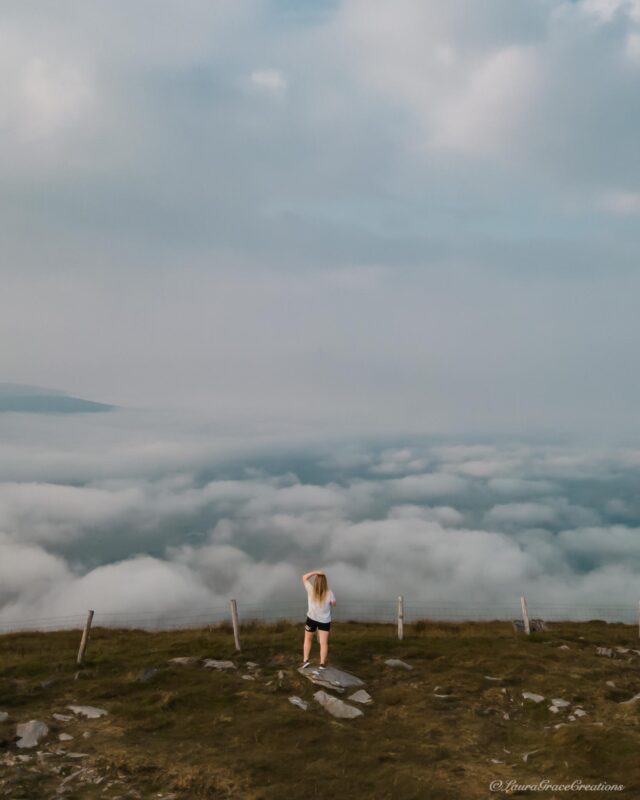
{"x": 400, "y": 617}
{"x": 525, "y": 615}
{"x": 236, "y": 626}
{"x": 85, "y": 638}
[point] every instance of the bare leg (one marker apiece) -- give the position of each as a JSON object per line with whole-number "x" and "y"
{"x": 324, "y": 645}
{"x": 306, "y": 651}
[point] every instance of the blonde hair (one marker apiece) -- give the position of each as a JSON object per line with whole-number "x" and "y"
{"x": 320, "y": 587}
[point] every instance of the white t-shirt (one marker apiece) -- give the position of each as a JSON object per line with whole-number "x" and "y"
{"x": 320, "y": 612}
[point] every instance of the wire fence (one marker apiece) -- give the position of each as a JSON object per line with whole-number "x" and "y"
{"x": 347, "y": 611}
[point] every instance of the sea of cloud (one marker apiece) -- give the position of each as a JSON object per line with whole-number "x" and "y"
{"x": 128, "y": 513}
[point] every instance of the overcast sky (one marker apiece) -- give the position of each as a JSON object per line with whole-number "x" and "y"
{"x": 362, "y": 278}
{"x": 409, "y": 215}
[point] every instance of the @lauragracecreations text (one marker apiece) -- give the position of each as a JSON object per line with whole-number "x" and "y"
{"x": 546, "y": 785}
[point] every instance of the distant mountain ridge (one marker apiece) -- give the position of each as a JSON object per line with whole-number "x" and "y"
{"x": 26, "y": 399}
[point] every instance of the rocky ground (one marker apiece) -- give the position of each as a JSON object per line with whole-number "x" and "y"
{"x": 442, "y": 714}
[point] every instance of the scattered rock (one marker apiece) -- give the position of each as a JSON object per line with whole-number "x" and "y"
{"x": 62, "y": 717}
{"x": 299, "y": 702}
{"x": 86, "y": 735}
{"x": 31, "y": 732}
{"x": 213, "y": 663}
{"x": 490, "y": 678}
{"x": 564, "y": 647}
{"x": 252, "y": 665}
{"x": 146, "y": 674}
{"x": 76, "y": 755}
{"x": 496, "y": 761}
{"x": 65, "y": 737}
{"x": 554, "y": 709}
{"x": 604, "y": 651}
{"x": 622, "y": 649}
{"x": 248, "y": 678}
{"x": 559, "y": 702}
{"x": 395, "y": 662}
{"x": 579, "y": 712}
{"x": 611, "y": 684}
{"x": 571, "y": 718}
{"x": 90, "y": 712}
{"x": 184, "y": 661}
{"x": 336, "y": 707}
{"x": 46, "y": 684}
{"x": 3, "y": 716}
{"x": 631, "y": 700}
{"x": 361, "y": 696}
{"x": 525, "y": 757}
{"x": 536, "y": 698}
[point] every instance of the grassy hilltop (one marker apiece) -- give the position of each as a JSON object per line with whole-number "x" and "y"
{"x": 442, "y": 730}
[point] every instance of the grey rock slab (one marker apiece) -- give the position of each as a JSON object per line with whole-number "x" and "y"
{"x": 361, "y": 696}
{"x": 31, "y": 732}
{"x": 396, "y": 662}
{"x": 213, "y": 663}
{"x": 535, "y": 698}
{"x": 336, "y": 707}
{"x": 90, "y": 712}
{"x": 331, "y": 678}
{"x": 299, "y": 702}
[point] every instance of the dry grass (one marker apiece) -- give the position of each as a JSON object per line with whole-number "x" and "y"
{"x": 203, "y": 734}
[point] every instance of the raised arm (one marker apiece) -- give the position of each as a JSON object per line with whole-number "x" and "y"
{"x": 308, "y": 575}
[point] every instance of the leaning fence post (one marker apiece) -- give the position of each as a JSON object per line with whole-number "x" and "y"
{"x": 525, "y": 615}
{"x": 85, "y": 638}
{"x": 400, "y": 617}
{"x": 234, "y": 622}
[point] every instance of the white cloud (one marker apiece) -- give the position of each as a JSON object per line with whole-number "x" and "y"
{"x": 54, "y": 98}
{"x": 273, "y": 81}
{"x": 622, "y": 203}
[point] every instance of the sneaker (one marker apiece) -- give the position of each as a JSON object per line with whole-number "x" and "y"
{"x": 322, "y": 668}
{"x": 306, "y": 665}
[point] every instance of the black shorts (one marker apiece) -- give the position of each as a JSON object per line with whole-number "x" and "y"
{"x": 311, "y": 625}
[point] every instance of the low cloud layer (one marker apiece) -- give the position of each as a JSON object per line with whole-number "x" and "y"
{"x": 458, "y": 528}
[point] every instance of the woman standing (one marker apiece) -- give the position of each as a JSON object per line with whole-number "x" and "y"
{"x": 320, "y": 598}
